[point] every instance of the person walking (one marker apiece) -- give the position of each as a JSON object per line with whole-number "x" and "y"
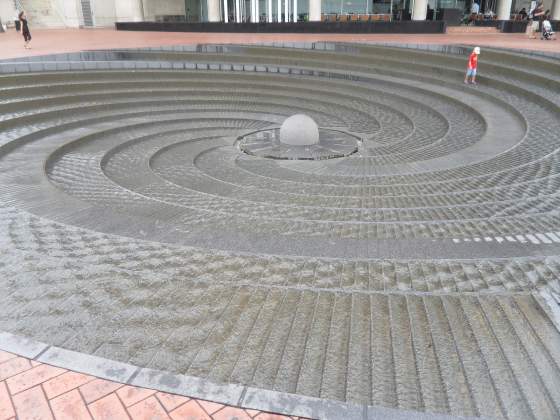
{"x": 472, "y": 66}
{"x": 538, "y": 17}
{"x": 25, "y": 29}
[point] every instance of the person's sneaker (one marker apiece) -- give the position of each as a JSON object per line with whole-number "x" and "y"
{"x": 474, "y": 83}
{"x": 466, "y": 83}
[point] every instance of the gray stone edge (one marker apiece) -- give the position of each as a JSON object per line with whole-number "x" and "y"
{"x": 460, "y": 48}
{"x": 112, "y": 54}
{"x": 229, "y": 394}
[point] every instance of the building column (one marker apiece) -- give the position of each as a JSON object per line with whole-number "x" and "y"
{"x": 214, "y": 11}
{"x": 129, "y": 11}
{"x": 315, "y": 10}
{"x": 503, "y": 9}
{"x": 226, "y": 11}
{"x": 420, "y": 9}
{"x": 555, "y": 10}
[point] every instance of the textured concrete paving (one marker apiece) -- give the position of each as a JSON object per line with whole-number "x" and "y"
{"x": 419, "y": 273}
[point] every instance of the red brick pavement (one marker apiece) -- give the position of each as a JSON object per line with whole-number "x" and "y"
{"x": 32, "y": 390}
{"x": 46, "y": 41}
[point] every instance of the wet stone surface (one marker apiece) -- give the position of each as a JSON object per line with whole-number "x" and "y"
{"x": 419, "y": 273}
{"x": 266, "y": 144}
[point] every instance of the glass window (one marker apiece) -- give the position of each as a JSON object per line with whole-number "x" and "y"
{"x": 196, "y": 10}
{"x": 359, "y": 7}
{"x": 303, "y": 10}
{"x": 381, "y": 6}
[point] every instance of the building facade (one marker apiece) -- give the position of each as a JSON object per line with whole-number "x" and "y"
{"x": 104, "y": 13}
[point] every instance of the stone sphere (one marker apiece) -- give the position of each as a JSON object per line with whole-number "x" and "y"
{"x": 299, "y": 130}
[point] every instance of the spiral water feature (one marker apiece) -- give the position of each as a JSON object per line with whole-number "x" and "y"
{"x": 149, "y": 214}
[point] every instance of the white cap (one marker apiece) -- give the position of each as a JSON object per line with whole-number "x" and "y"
{"x": 477, "y": 50}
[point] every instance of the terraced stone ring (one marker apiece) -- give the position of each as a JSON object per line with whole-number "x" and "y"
{"x": 151, "y": 214}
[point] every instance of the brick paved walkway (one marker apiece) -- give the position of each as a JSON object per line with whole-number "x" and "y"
{"x": 47, "y": 41}
{"x": 32, "y": 390}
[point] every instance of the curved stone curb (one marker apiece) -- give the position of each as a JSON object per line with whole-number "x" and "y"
{"x": 230, "y": 394}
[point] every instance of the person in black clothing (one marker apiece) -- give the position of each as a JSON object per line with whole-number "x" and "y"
{"x": 523, "y": 14}
{"x": 25, "y": 29}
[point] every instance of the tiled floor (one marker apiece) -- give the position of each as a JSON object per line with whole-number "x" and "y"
{"x": 65, "y": 40}
{"x": 32, "y": 390}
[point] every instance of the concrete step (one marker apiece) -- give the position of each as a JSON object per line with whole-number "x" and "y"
{"x": 87, "y": 13}
{"x": 466, "y": 29}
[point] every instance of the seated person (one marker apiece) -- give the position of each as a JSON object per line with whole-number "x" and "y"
{"x": 523, "y": 14}
{"x": 475, "y": 10}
